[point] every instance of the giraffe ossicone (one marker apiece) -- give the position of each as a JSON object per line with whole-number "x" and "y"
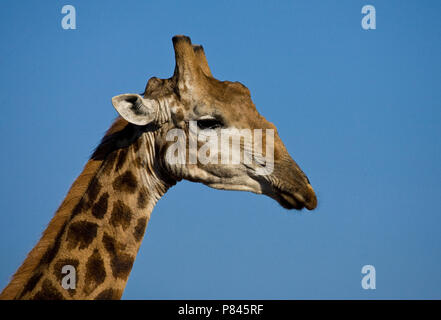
{"x": 98, "y": 228}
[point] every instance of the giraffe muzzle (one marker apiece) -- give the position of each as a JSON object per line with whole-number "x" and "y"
{"x": 291, "y": 186}
{"x": 299, "y": 199}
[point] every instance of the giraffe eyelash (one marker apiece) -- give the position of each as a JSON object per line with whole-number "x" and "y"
{"x": 209, "y": 124}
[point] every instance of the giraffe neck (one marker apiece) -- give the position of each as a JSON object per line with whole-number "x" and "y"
{"x": 101, "y": 235}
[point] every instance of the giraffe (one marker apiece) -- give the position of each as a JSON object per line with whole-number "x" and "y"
{"x": 99, "y": 226}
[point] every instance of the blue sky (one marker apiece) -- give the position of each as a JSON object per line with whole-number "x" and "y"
{"x": 360, "y": 111}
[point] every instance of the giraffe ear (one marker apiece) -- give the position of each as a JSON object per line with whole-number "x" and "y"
{"x": 136, "y": 109}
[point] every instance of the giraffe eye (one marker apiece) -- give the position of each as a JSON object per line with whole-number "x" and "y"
{"x": 209, "y": 124}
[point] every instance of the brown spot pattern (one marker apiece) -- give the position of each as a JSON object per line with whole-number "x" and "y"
{"x": 30, "y": 285}
{"x": 82, "y": 206}
{"x": 81, "y": 234}
{"x": 142, "y": 198}
{"x": 58, "y": 266}
{"x": 122, "y": 156}
{"x": 109, "y": 294}
{"x": 136, "y": 145}
{"x": 94, "y": 189}
{"x": 48, "y": 292}
{"x": 121, "y": 215}
{"x": 120, "y": 263}
{"x": 125, "y": 183}
{"x": 95, "y": 272}
{"x": 52, "y": 251}
{"x": 99, "y": 209}
{"x": 110, "y": 162}
{"x": 140, "y": 228}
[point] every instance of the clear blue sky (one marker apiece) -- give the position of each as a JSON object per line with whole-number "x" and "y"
{"x": 360, "y": 111}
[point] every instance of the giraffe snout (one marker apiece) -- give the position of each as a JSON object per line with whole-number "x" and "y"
{"x": 311, "y": 202}
{"x": 296, "y": 198}
{"x": 291, "y": 187}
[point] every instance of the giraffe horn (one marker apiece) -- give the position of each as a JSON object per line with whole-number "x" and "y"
{"x": 190, "y": 61}
{"x": 202, "y": 59}
{"x": 185, "y": 58}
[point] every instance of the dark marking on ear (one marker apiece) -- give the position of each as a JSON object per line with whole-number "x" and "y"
{"x": 81, "y": 233}
{"x": 140, "y": 228}
{"x": 121, "y": 215}
{"x": 99, "y": 209}
{"x": 32, "y": 282}
{"x": 120, "y": 263}
{"x": 109, "y": 294}
{"x": 142, "y": 198}
{"x": 95, "y": 272}
{"x": 48, "y": 292}
{"x": 137, "y": 106}
{"x": 53, "y": 250}
{"x": 122, "y": 156}
{"x": 125, "y": 183}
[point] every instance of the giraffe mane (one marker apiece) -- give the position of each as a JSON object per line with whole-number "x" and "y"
{"x": 76, "y": 192}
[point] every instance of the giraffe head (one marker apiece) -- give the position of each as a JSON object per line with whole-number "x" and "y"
{"x": 209, "y": 131}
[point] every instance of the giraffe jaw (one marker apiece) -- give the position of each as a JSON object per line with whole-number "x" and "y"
{"x": 286, "y": 198}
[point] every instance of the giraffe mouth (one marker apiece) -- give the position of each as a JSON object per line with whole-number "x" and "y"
{"x": 298, "y": 200}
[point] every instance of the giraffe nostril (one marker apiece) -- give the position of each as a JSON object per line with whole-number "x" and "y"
{"x": 303, "y": 197}
{"x": 299, "y": 197}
